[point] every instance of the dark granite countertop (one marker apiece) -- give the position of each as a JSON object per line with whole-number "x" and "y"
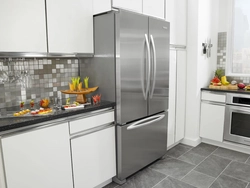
{"x": 9, "y": 123}
{"x": 240, "y": 91}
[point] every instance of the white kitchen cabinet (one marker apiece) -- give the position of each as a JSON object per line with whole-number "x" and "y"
{"x": 94, "y": 158}
{"x": 177, "y": 96}
{"x": 100, "y": 6}
{"x": 38, "y": 158}
{"x": 23, "y": 26}
{"x": 181, "y": 78}
{"x": 132, "y": 5}
{"x": 154, "y": 8}
{"x": 212, "y": 121}
{"x": 176, "y": 14}
{"x": 93, "y": 151}
{"x": 70, "y": 26}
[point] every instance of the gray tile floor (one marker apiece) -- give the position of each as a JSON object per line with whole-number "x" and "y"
{"x": 204, "y": 166}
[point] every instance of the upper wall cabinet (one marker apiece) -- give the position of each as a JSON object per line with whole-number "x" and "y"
{"x": 70, "y": 26}
{"x": 176, "y": 14}
{"x": 133, "y": 5}
{"x": 23, "y": 26}
{"x": 154, "y": 8}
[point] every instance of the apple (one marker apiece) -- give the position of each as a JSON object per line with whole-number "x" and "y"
{"x": 241, "y": 85}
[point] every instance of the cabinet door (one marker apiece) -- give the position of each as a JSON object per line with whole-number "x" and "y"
{"x": 70, "y": 26}
{"x": 100, "y": 6}
{"x": 39, "y": 158}
{"x": 212, "y": 121}
{"x": 23, "y": 26}
{"x": 94, "y": 158}
{"x": 132, "y": 5}
{"x": 180, "y": 95}
{"x": 172, "y": 98}
{"x": 154, "y": 8}
{"x": 176, "y": 14}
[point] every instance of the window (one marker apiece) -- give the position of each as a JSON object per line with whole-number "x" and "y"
{"x": 238, "y": 55}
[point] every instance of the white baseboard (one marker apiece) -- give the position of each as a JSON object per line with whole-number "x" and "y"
{"x": 228, "y": 145}
{"x": 173, "y": 145}
{"x": 191, "y": 142}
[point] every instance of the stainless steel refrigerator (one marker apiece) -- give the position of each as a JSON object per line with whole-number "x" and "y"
{"x": 131, "y": 67}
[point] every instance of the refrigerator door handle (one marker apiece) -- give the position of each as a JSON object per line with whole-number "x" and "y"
{"x": 154, "y": 66}
{"x": 145, "y": 122}
{"x": 148, "y": 71}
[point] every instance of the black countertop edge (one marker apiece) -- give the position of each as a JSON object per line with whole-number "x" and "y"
{"x": 241, "y": 91}
{"x": 10, "y": 123}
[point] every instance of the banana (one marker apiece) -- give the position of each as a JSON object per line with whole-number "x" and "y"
{"x": 224, "y": 80}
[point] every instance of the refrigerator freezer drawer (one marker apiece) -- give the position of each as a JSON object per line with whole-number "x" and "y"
{"x": 140, "y": 143}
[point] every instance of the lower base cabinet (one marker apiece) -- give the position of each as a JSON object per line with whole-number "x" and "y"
{"x": 212, "y": 121}
{"x": 39, "y": 158}
{"x": 93, "y": 157}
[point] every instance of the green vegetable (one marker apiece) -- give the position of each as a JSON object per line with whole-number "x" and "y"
{"x": 219, "y": 73}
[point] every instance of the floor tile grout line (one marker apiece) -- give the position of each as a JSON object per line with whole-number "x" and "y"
{"x": 221, "y": 172}
{"x": 247, "y": 159}
{"x": 247, "y": 185}
{"x": 185, "y": 152}
{"x": 228, "y": 158}
{"x": 236, "y": 178}
{"x": 161, "y": 181}
{"x": 181, "y": 160}
{"x": 199, "y": 164}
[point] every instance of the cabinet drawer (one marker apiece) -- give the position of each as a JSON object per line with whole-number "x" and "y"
{"x": 216, "y": 97}
{"x": 91, "y": 122}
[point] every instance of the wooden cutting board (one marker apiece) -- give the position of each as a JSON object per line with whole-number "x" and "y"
{"x": 228, "y": 87}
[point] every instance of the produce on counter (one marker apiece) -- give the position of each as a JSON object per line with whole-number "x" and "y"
{"x": 74, "y": 85}
{"x": 44, "y": 103}
{"x": 215, "y": 81}
{"x": 224, "y": 80}
{"x": 21, "y": 104}
{"x": 234, "y": 82}
{"x": 86, "y": 82}
{"x": 241, "y": 85}
{"x": 247, "y": 87}
{"x": 219, "y": 73}
{"x": 32, "y": 103}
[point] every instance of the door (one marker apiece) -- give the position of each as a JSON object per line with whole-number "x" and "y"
{"x": 159, "y": 84}
{"x": 140, "y": 143}
{"x": 132, "y": 59}
{"x": 23, "y": 26}
{"x": 237, "y": 124}
{"x": 132, "y": 5}
{"x": 93, "y": 157}
{"x": 212, "y": 121}
{"x": 70, "y": 26}
{"x": 39, "y": 158}
{"x": 154, "y": 8}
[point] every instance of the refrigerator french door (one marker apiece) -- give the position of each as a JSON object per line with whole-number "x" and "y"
{"x": 142, "y": 66}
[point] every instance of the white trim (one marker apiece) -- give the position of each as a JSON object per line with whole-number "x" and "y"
{"x": 191, "y": 142}
{"x": 230, "y": 29}
{"x": 228, "y": 145}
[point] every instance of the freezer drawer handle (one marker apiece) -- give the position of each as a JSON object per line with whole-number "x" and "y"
{"x": 147, "y": 121}
{"x": 154, "y": 65}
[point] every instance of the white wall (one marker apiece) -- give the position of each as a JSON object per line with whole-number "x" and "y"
{"x": 202, "y": 24}
{"x": 223, "y": 15}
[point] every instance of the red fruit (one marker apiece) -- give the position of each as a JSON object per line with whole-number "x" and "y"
{"x": 241, "y": 85}
{"x": 215, "y": 80}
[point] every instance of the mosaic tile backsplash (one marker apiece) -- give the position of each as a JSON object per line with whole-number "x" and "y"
{"x": 221, "y": 58}
{"x": 34, "y": 79}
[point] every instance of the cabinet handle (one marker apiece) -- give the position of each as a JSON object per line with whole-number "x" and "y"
{"x": 90, "y": 131}
{"x": 214, "y": 103}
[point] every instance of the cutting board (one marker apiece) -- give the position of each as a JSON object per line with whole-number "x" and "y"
{"x": 228, "y": 87}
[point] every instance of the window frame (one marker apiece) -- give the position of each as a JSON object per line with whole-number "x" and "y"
{"x": 230, "y": 43}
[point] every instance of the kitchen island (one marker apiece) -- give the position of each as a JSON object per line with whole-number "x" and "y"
{"x": 69, "y": 148}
